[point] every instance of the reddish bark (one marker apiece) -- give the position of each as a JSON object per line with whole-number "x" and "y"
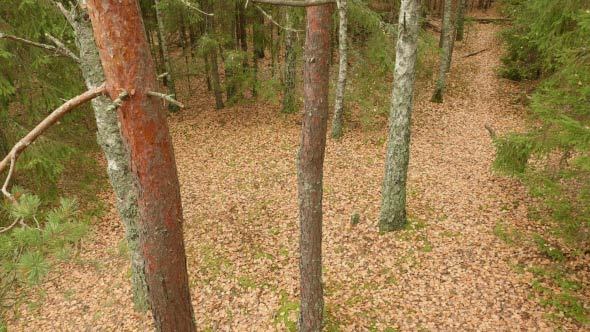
{"x": 128, "y": 65}
{"x": 311, "y": 163}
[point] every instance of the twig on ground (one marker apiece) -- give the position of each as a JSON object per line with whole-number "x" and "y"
{"x": 491, "y": 131}
{"x": 476, "y": 53}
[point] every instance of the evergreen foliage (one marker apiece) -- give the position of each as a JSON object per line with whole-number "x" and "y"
{"x": 39, "y": 236}
{"x": 549, "y": 41}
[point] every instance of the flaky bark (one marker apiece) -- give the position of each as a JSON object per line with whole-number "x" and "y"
{"x": 445, "y": 54}
{"x": 128, "y": 65}
{"x": 170, "y": 84}
{"x": 289, "y": 101}
{"x": 342, "y": 71}
{"x": 311, "y": 164}
{"x": 393, "y": 206}
{"x": 111, "y": 142}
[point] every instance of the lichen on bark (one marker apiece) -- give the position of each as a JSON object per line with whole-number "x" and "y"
{"x": 116, "y": 154}
{"x": 393, "y": 207}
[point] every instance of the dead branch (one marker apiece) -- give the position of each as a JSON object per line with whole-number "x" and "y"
{"x": 168, "y": 98}
{"x": 63, "y": 47}
{"x": 6, "y": 229}
{"x": 295, "y": 3}
{"x": 67, "y": 14}
{"x": 193, "y": 7}
{"x": 271, "y": 19}
{"x": 476, "y": 53}
{"x": 49, "y": 121}
{"x": 55, "y": 49}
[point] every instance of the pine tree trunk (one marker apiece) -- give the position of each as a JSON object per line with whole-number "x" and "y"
{"x": 166, "y": 57}
{"x": 289, "y": 101}
{"x": 460, "y": 20}
{"x": 316, "y": 79}
{"x": 111, "y": 142}
{"x": 393, "y": 206}
{"x": 446, "y": 32}
{"x": 342, "y": 72}
{"x": 128, "y": 65}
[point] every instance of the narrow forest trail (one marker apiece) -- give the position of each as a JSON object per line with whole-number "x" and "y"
{"x": 447, "y": 272}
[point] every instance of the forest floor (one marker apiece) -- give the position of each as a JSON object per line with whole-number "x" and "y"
{"x": 449, "y": 271}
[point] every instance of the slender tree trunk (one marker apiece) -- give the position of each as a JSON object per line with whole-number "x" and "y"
{"x": 446, "y": 32}
{"x": 342, "y": 71}
{"x": 111, "y": 142}
{"x": 316, "y": 79}
{"x": 215, "y": 80}
{"x": 460, "y": 21}
{"x": 393, "y": 206}
{"x": 170, "y": 84}
{"x": 128, "y": 66}
{"x": 289, "y": 101}
{"x": 258, "y": 35}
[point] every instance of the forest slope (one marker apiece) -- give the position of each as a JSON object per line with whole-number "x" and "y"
{"x": 447, "y": 272}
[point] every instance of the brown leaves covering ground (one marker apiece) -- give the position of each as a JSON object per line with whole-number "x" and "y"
{"x": 448, "y": 272}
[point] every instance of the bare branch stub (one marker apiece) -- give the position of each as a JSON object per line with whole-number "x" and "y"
{"x": 166, "y": 97}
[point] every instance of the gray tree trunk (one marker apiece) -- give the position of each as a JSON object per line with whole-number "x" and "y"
{"x": 342, "y": 71}
{"x": 166, "y": 57}
{"x": 445, "y": 54}
{"x": 116, "y": 153}
{"x": 393, "y": 207}
{"x": 460, "y": 22}
{"x": 289, "y": 101}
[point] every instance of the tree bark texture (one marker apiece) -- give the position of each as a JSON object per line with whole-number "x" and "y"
{"x": 393, "y": 206}
{"x": 342, "y": 71}
{"x": 117, "y": 156}
{"x": 445, "y": 53}
{"x": 128, "y": 65}
{"x": 289, "y": 101}
{"x": 460, "y": 20}
{"x": 170, "y": 84}
{"x": 311, "y": 162}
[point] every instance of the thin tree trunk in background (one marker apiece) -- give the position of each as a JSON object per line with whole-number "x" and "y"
{"x": 342, "y": 71}
{"x": 160, "y": 59}
{"x": 215, "y": 80}
{"x": 116, "y": 153}
{"x": 437, "y": 97}
{"x": 258, "y": 35}
{"x": 316, "y": 80}
{"x": 128, "y": 66}
{"x": 170, "y": 85}
{"x": 289, "y": 101}
{"x": 393, "y": 205}
{"x": 460, "y": 21}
